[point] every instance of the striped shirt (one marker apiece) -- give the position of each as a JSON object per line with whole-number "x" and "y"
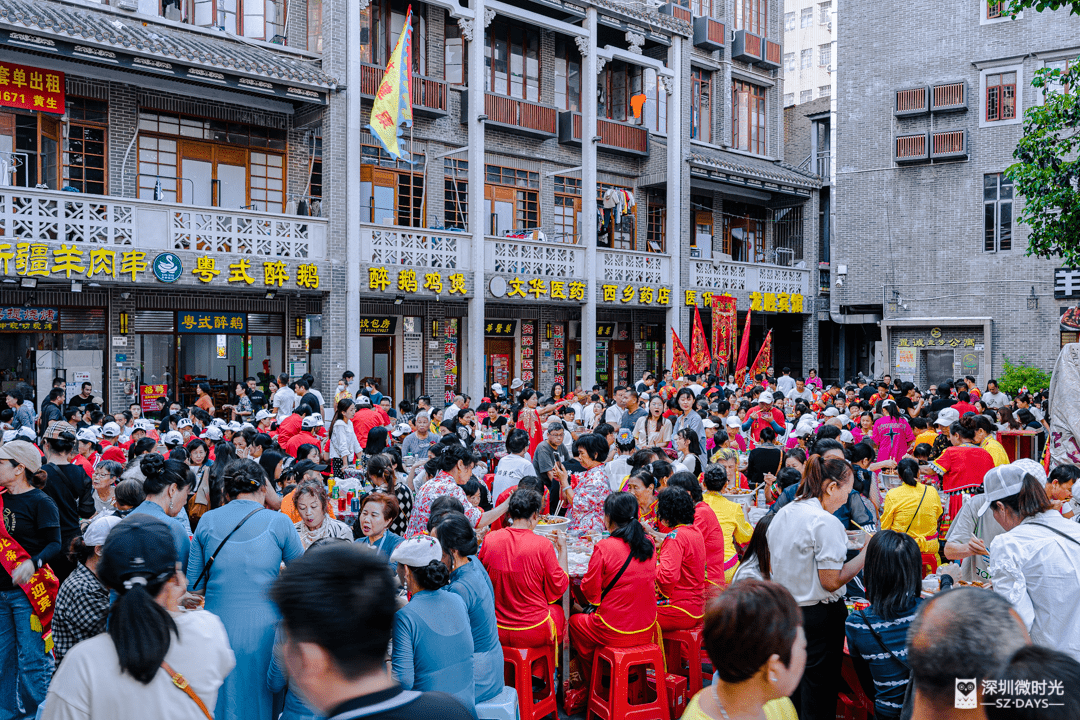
{"x": 890, "y": 677}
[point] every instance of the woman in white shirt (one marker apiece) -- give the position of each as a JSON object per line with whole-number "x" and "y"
{"x": 808, "y": 549}
{"x": 653, "y": 430}
{"x": 128, "y": 672}
{"x": 344, "y": 446}
{"x": 1035, "y": 564}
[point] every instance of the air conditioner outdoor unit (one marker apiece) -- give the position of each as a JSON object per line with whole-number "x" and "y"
{"x": 130, "y": 5}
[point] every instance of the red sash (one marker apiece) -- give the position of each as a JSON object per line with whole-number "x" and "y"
{"x": 40, "y": 591}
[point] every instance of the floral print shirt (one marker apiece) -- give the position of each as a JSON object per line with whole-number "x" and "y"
{"x": 442, "y": 484}
{"x": 587, "y": 513}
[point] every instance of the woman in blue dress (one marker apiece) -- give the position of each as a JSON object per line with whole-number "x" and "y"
{"x": 469, "y": 581}
{"x": 237, "y": 584}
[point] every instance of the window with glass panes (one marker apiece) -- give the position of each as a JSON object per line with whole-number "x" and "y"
{"x": 824, "y": 10}
{"x": 456, "y": 193}
{"x": 391, "y": 188}
{"x": 256, "y": 19}
{"x": 744, "y": 232}
{"x": 701, "y": 8}
{"x": 315, "y": 179}
{"x": 748, "y": 117}
{"x": 514, "y": 199}
{"x": 567, "y": 209}
{"x": 806, "y": 59}
{"x": 615, "y": 233}
{"x": 701, "y": 105}
{"x": 619, "y": 82}
{"x": 655, "y": 224}
{"x": 752, "y": 15}
{"x": 1001, "y": 96}
{"x": 1056, "y": 84}
{"x": 824, "y": 54}
{"x": 806, "y": 17}
{"x": 381, "y": 24}
{"x": 455, "y": 57}
{"x": 997, "y": 212}
{"x": 85, "y": 157}
{"x": 806, "y": 96}
{"x": 567, "y": 75}
{"x": 789, "y": 20}
{"x": 512, "y": 57}
{"x": 789, "y": 62}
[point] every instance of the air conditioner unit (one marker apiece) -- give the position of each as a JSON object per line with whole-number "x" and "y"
{"x": 130, "y": 5}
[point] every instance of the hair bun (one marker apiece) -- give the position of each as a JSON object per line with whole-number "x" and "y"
{"x": 152, "y": 464}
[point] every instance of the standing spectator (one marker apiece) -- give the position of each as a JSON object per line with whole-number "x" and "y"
{"x": 344, "y": 387}
{"x": 83, "y": 602}
{"x": 236, "y": 583}
{"x": 151, "y": 648}
{"x": 285, "y": 400}
{"x": 33, "y": 525}
{"x": 892, "y": 434}
{"x": 23, "y": 416}
{"x": 879, "y": 634}
{"x": 255, "y": 395}
{"x": 550, "y": 458}
{"x": 167, "y": 486}
{"x": 344, "y": 447}
{"x": 52, "y": 410}
{"x": 993, "y": 397}
{"x": 70, "y": 488}
{"x": 336, "y": 640}
{"x": 365, "y": 419}
{"x": 204, "y": 401}
{"x": 785, "y": 383}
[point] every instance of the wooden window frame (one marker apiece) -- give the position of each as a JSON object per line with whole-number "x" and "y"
{"x": 998, "y": 97}
{"x": 701, "y": 8}
{"x": 73, "y": 125}
{"x": 656, "y": 226}
{"x": 505, "y": 32}
{"x": 756, "y": 144}
{"x": 456, "y": 205}
{"x": 753, "y": 16}
{"x": 701, "y": 96}
{"x": 567, "y": 193}
{"x": 995, "y": 10}
{"x": 755, "y": 250}
{"x": 404, "y": 207}
{"x": 623, "y": 243}
{"x": 563, "y": 64}
{"x": 523, "y": 192}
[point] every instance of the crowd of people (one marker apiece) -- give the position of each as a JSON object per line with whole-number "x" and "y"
{"x": 209, "y": 551}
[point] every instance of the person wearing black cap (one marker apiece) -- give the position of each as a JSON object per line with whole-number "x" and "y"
{"x": 135, "y": 669}
{"x": 336, "y": 639}
{"x": 249, "y": 544}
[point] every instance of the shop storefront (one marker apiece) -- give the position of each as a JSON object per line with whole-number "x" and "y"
{"x": 928, "y": 351}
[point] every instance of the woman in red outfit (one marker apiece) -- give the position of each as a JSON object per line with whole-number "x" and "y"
{"x": 963, "y": 466}
{"x": 712, "y": 533}
{"x": 619, "y": 582}
{"x": 680, "y": 570}
{"x": 528, "y": 578}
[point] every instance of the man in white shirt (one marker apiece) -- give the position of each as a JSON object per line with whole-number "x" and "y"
{"x": 694, "y": 385}
{"x": 285, "y": 400}
{"x": 514, "y": 465}
{"x": 454, "y": 408}
{"x": 993, "y": 397}
{"x": 613, "y": 415}
{"x": 785, "y": 384}
{"x": 800, "y": 391}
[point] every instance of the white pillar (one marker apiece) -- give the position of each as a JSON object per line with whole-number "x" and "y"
{"x": 474, "y": 375}
{"x": 353, "y": 123}
{"x": 675, "y": 220}
{"x": 588, "y": 197}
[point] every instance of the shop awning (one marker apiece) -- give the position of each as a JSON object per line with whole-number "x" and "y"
{"x": 112, "y": 39}
{"x": 742, "y": 170}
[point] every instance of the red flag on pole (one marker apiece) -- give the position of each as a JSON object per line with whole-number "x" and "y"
{"x": 723, "y": 332}
{"x": 700, "y": 360}
{"x": 764, "y": 356}
{"x": 680, "y": 361}
{"x": 744, "y": 352}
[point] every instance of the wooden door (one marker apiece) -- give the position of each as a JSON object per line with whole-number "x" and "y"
{"x": 49, "y": 151}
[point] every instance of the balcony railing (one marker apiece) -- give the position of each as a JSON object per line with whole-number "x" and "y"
{"x": 739, "y": 277}
{"x": 428, "y": 94}
{"x": 615, "y": 136}
{"x": 49, "y": 215}
{"x": 515, "y": 256}
{"x": 824, "y": 164}
{"x": 414, "y": 247}
{"x": 630, "y": 266}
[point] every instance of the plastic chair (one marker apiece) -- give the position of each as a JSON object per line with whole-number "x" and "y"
{"x": 929, "y": 564}
{"x": 625, "y": 671}
{"x": 489, "y": 480}
{"x": 520, "y": 667}
{"x": 682, "y": 648}
{"x": 503, "y": 706}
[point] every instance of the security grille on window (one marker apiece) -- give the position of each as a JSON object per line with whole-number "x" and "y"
{"x": 824, "y": 91}
{"x": 789, "y": 20}
{"x": 824, "y": 10}
{"x": 824, "y": 55}
{"x": 789, "y": 62}
{"x": 806, "y": 17}
{"x": 997, "y": 212}
{"x": 1001, "y": 96}
{"x": 789, "y": 99}
{"x": 806, "y": 96}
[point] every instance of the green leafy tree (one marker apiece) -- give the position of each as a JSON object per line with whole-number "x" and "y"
{"x": 1039, "y": 5}
{"x": 1022, "y": 375}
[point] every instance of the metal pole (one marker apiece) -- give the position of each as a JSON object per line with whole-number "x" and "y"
{"x": 674, "y": 219}
{"x": 354, "y": 123}
{"x": 588, "y": 207}
{"x": 476, "y": 214}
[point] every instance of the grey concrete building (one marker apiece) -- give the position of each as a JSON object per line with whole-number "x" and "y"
{"x": 929, "y": 273}
{"x": 162, "y": 220}
{"x": 549, "y": 126}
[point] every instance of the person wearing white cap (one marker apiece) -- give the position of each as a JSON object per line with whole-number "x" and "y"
{"x": 82, "y": 604}
{"x": 306, "y": 436}
{"x": 213, "y": 434}
{"x": 1035, "y": 564}
{"x": 734, "y": 431}
{"x": 763, "y": 416}
{"x": 433, "y": 642}
{"x": 263, "y": 420}
{"x": 35, "y": 529}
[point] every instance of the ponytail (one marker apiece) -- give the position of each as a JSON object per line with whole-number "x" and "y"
{"x": 37, "y": 479}
{"x": 621, "y": 509}
{"x": 141, "y": 629}
{"x": 1031, "y": 500}
{"x": 819, "y": 473}
{"x": 908, "y": 470}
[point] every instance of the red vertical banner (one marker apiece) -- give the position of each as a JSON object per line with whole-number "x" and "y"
{"x": 764, "y": 356}
{"x": 744, "y": 352}
{"x": 700, "y": 360}
{"x": 723, "y": 332}
{"x": 680, "y": 361}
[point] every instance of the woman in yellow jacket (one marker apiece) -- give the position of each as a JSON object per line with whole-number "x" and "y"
{"x": 731, "y": 516}
{"x": 913, "y": 508}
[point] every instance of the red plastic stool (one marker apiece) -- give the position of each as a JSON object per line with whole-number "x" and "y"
{"x": 625, "y": 671}
{"x": 929, "y": 564}
{"x": 682, "y": 648}
{"x": 520, "y": 666}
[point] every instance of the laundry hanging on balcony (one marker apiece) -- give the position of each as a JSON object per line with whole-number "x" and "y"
{"x": 619, "y": 201}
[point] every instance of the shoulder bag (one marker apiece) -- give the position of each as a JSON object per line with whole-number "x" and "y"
{"x": 909, "y": 691}
{"x": 181, "y": 682}
{"x": 590, "y": 608}
{"x": 1055, "y": 530}
{"x": 916, "y": 513}
{"x": 210, "y": 561}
